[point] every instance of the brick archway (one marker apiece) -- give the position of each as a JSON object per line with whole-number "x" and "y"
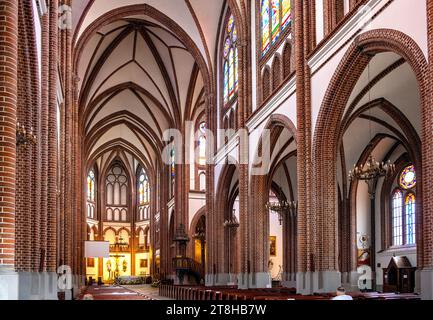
{"x": 259, "y": 195}
{"x": 409, "y": 139}
{"x": 195, "y": 220}
{"x": 325, "y": 144}
{"x": 218, "y": 237}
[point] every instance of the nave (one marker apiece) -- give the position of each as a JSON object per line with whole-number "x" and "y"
{"x": 216, "y": 150}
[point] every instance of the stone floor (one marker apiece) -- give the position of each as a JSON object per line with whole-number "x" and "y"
{"x": 147, "y": 291}
{"x": 111, "y": 293}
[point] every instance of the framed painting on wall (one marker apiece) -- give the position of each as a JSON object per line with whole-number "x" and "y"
{"x": 90, "y": 262}
{"x": 363, "y": 257}
{"x": 143, "y": 263}
{"x": 273, "y": 246}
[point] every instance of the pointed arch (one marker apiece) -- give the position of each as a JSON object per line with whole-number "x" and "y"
{"x": 276, "y": 72}
{"x": 325, "y": 144}
{"x": 266, "y": 83}
{"x": 287, "y": 56}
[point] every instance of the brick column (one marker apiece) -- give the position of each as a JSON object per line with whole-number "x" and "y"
{"x": 8, "y": 111}
{"x": 210, "y": 198}
{"x": 43, "y": 142}
{"x": 52, "y": 141}
{"x": 303, "y": 249}
{"x": 313, "y": 275}
{"x": 244, "y": 110}
{"x": 68, "y": 173}
{"x": 164, "y": 245}
{"x": 427, "y": 160}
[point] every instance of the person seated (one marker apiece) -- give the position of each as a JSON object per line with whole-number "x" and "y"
{"x": 341, "y": 295}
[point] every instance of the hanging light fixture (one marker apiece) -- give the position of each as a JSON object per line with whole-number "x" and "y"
{"x": 283, "y": 208}
{"x": 232, "y": 222}
{"x": 372, "y": 169}
{"x": 25, "y": 137}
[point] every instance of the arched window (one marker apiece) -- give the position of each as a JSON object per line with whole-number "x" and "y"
{"x": 403, "y": 209}
{"x": 230, "y": 62}
{"x": 110, "y": 236}
{"x": 91, "y": 194}
{"x": 143, "y": 188}
{"x": 201, "y": 160}
{"x": 230, "y": 68}
{"x": 172, "y": 170}
{"x": 116, "y": 192}
{"x": 91, "y": 186}
{"x": 397, "y": 215}
{"x": 202, "y": 144}
{"x": 202, "y": 180}
{"x": 410, "y": 218}
{"x": 275, "y": 17}
{"x": 141, "y": 239}
{"x": 143, "y": 196}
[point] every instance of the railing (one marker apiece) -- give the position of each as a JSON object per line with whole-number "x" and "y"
{"x": 188, "y": 266}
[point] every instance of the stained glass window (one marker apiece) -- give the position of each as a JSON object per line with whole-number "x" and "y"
{"x": 236, "y": 72}
{"x": 91, "y": 186}
{"x": 403, "y": 209}
{"x": 286, "y": 13}
{"x": 172, "y": 163}
{"x": 408, "y": 178}
{"x": 275, "y": 16}
{"x": 397, "y": 214}
{"x": 227, "y": 47}
{"x": 143, "y": 194}
{"x": 172, "y": 169}
{"x": 410, "y": 218}
{"x": 202, "y": 144}
{"x": 226, "y": 81}
{"x": 230, "y": 24}
{"x": 230, "y": 62}
{"x": 202, "y": 127}
{"x": 265, "y": 25}
{"x": 143, "y": 188}
{"x": 91, "y": 197}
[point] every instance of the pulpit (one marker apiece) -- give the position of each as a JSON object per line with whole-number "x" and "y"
{"x": 399, "y": 276}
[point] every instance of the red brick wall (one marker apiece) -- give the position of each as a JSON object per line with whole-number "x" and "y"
{"x": 36, "y": 177}
{"x": 8, "y": 103}
{"x": 52, "y": 165}
{"x": 427, "y": 151}
{"x": 27, "y": 243}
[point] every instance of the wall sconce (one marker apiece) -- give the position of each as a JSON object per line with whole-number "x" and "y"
{"x": 25, "y": 137}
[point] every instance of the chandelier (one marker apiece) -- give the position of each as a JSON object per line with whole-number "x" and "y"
{"x": 23, "y": 136}
{"x": 232, "y": 222}
{"x": 372, "y": 170}
{"x": 200, "y": 234}
{"x": 283, "y": 208}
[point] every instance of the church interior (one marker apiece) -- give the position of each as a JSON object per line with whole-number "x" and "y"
{"x": 216, "y": 149}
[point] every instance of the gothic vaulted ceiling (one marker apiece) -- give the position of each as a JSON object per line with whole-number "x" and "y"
{"x": 136, "y": 77}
